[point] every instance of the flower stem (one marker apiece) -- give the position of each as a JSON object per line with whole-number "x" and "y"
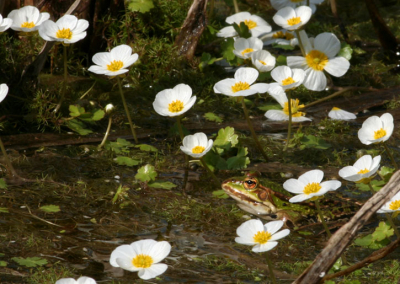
{"x": 217, "y": 181}
{"x": 389, "y": 218}
{"x": 271, "y": 272}
{"x": 186, "y": 175}
{"x": 64, "y": 86}
{"x": 322, "y": 219}
{"x": 106, "y": 135}
{"x": 300, "y": 43}
{"x": 10, "y": 167}
{"x": 390, "y": 156}
{"x": 126, "y": 110}
{"x": 371, "y": 188}
{"x": 330, "y": 96}
{"x": 290, "y": 121}
{"x": 253, "y": 133}
{"x": 235, "y": 4}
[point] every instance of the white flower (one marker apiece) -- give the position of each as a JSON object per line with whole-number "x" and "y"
{"x": 68, "y": 29}
{"x": 287, "y": 78}
{"x": 256, "y": 25}
{"x": 339, "y": 114}
{"x": 292, "y": 19}
{"x": 3, "y": 92}
{"x": 279, "y": 4}
{"x": 174, "y": 102}
{"x": 309, "y": 185}
{"x": 81, "y": 280}
{"x": 263, "y": 237}
{"x": 196, "y": 145}
{"x": 241, "y": 85}
{"x": 263, "y": 60}
{"x": 362, "y": 171}
{"x": 319, "y": 57}
{"x": 142, "y": 256}
{"x": 115, "y": 62}
{"x": 27, "y": 19}
{"x": 281, "y": 37}
{"x": 279, "y": 95}
{"x": 376, "y": 129}
{"x": 392, "y": 205}
{"x": 5, "y": 24}
{"x": 245, "y": 46}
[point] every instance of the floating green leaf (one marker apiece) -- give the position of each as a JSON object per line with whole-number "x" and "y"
{"x": 126, "y": 161}
{"x": 50, "y": 208}
{"x": 240, "y": 161}
{"x": 120, "y": 146}
{"x": 227, "y": 49}
{"x": 225, "y": 136}
{"x": 311, "y": 141}
{"x": 215, "y": 161}
{"x": 98, "y": 114}
{"x": 386, "y": 173}
{"x": 382, "y": 232}
{"x": 145, "y": 147}
{"x": 162, "y": 184}
{"x": 220, "y": 194}
{"x": 78, "y": 126}
{"x": 3, "y": 210}
{"x": 212, "y": 117}
{"x": 3, "y": 263}
{"x": 30, "y": 261}
{"x": 146, "y": 173}
{"x": 75, "y": 110}
{"x": 346, "y": 51}
{"x": 376, "y": 185}
{"x": 141, "y": 6}
{"x": 3, "y": 184}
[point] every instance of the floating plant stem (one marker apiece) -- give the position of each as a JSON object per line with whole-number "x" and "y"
{"x": 253, "y": 133}
{"x": 217, "y": 181}
{"x": 186, "y": 175}
{"x": 10, "y": 167}
{"x": 64, "y": 86}
{"x": 107, "y": 133}
{"x": 390, "y": 219}
{"x": 88, "y": 91}
{"x": 322, "y": 218}
{"x": 271, "y": 272}
{"x": 371, "y": 188}
{"x": 290, "y": 121}
{"x": 235, "y": 4}
{"x": 390, "y": 156}
{"x": 126, "y": 110}
{"x": 300, "y": 43}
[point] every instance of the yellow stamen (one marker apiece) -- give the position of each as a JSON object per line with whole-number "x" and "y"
{"x": 278, "y": 35}
{"x": 312, "y": 188}
{"x": 240, "y": 86}
{"x": 288, "y": 81}
{"x": 293, "y": 21}
{"x": 316, "y": 60}
{"x": 262, "y": 237}
{"x": 262, "y": 62}
{"x": 247, "y": 50}
{"x": 175, "y": 106}
{"x": 288, "y": 36}
{"x": 198, "y": 149}
{"x": 379, "y": 133}
{"x": 142, "y": 261}
{"x": 394, "y": 205}
{"x": 64, "y": 33}
{"x": 115, "y": 65}
{"x": 250, "y": 24}
{"x": 295, "y": 108}
{"x": 335, "y": 108}
{"x": 364, "y": 171}
{"x": 27, "y": 25}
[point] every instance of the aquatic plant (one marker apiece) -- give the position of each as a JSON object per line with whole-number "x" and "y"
{"x": 340, "y": 114}
{"x": 27, "y": 19}
{"x": 81, "y": 280}
{"x": 257, "y": 25}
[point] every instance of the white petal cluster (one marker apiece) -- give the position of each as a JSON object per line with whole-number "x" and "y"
{"x": 287, "y": 78}
{"x": 309, "y": 185}
{"x": 5, "y": 24}
{"x": 115, "y": 62}
{"x": 280, "y": 37}
{"x": 244, "y": 47}
{"x": 142, "y": 256}
{"x": 27, "y": 19}
{"x": 392, "y": 205}
{"x": 292, "y": 19}
{"x": 339, "y": 114}
{"x": 262, "y": 237}
{"x": 376, "y": 129}
{"x": 174, "y": 102}
{"x": 241, "y": 85}
{"x": 279, "y": 4}
{"x": 68, "y": 29}
{"x": 362, "y": 170}
{"x": 3, "y": 92}
{"x": 81, "y": 280}
{"x": 257, "y": 25}
{"x": 263, "y": 60}
{"x": 320, "y": 57}
{"x": 196, "y": 145}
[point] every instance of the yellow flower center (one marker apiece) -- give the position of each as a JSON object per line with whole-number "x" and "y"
{"x": 316, "y": 60}
{"x": 142, "y": 261}
{"x": 335, "y": 108}
{"x": 115, "y": 65}
{"x": 262, "y": 237}
{"x": 262, "y": 62}
{"x": 64, "y": 33}
{"x": 240, "y": 86}
{"x": 250, "y": 24}
{"x": 247, "y": 50}
{"x": 198, "y": 150}
{"x": 27, "y": 25}
{"x": 293, "y": 21}
{"x": 288, "y": 81}
{"x": 364, "y": 171}
{"x": 312, "y": 188}
{"x": 285, "y": 35}
{"x": 295, "y": 107}
{"x": 379, "y": 133}
{"x": 394, "y": 205}
{"x": 175, "y": 106}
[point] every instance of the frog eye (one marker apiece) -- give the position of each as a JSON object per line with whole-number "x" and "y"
{"x": 250, "y": 183}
